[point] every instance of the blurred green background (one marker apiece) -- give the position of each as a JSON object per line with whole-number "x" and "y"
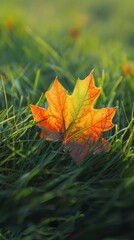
{"x": 102, "y": 20}
{"x": 67, "y": 39}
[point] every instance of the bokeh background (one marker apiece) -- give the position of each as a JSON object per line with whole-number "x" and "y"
{"x": 67, "y": 39}
{"x": 100, "y": 20}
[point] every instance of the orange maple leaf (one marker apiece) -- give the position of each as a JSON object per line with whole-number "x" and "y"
{"x": 72, "y": 119}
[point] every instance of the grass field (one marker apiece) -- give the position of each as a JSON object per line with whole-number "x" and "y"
{"x": 43, "y": 193}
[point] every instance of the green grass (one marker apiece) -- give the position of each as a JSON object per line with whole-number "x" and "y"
{"x": 43, "y": 193}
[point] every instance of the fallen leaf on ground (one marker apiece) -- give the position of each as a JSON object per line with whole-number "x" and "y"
{"x": 72, "y": 118}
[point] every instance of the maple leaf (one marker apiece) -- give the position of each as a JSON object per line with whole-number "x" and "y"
{"x": 72, "y": 118}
